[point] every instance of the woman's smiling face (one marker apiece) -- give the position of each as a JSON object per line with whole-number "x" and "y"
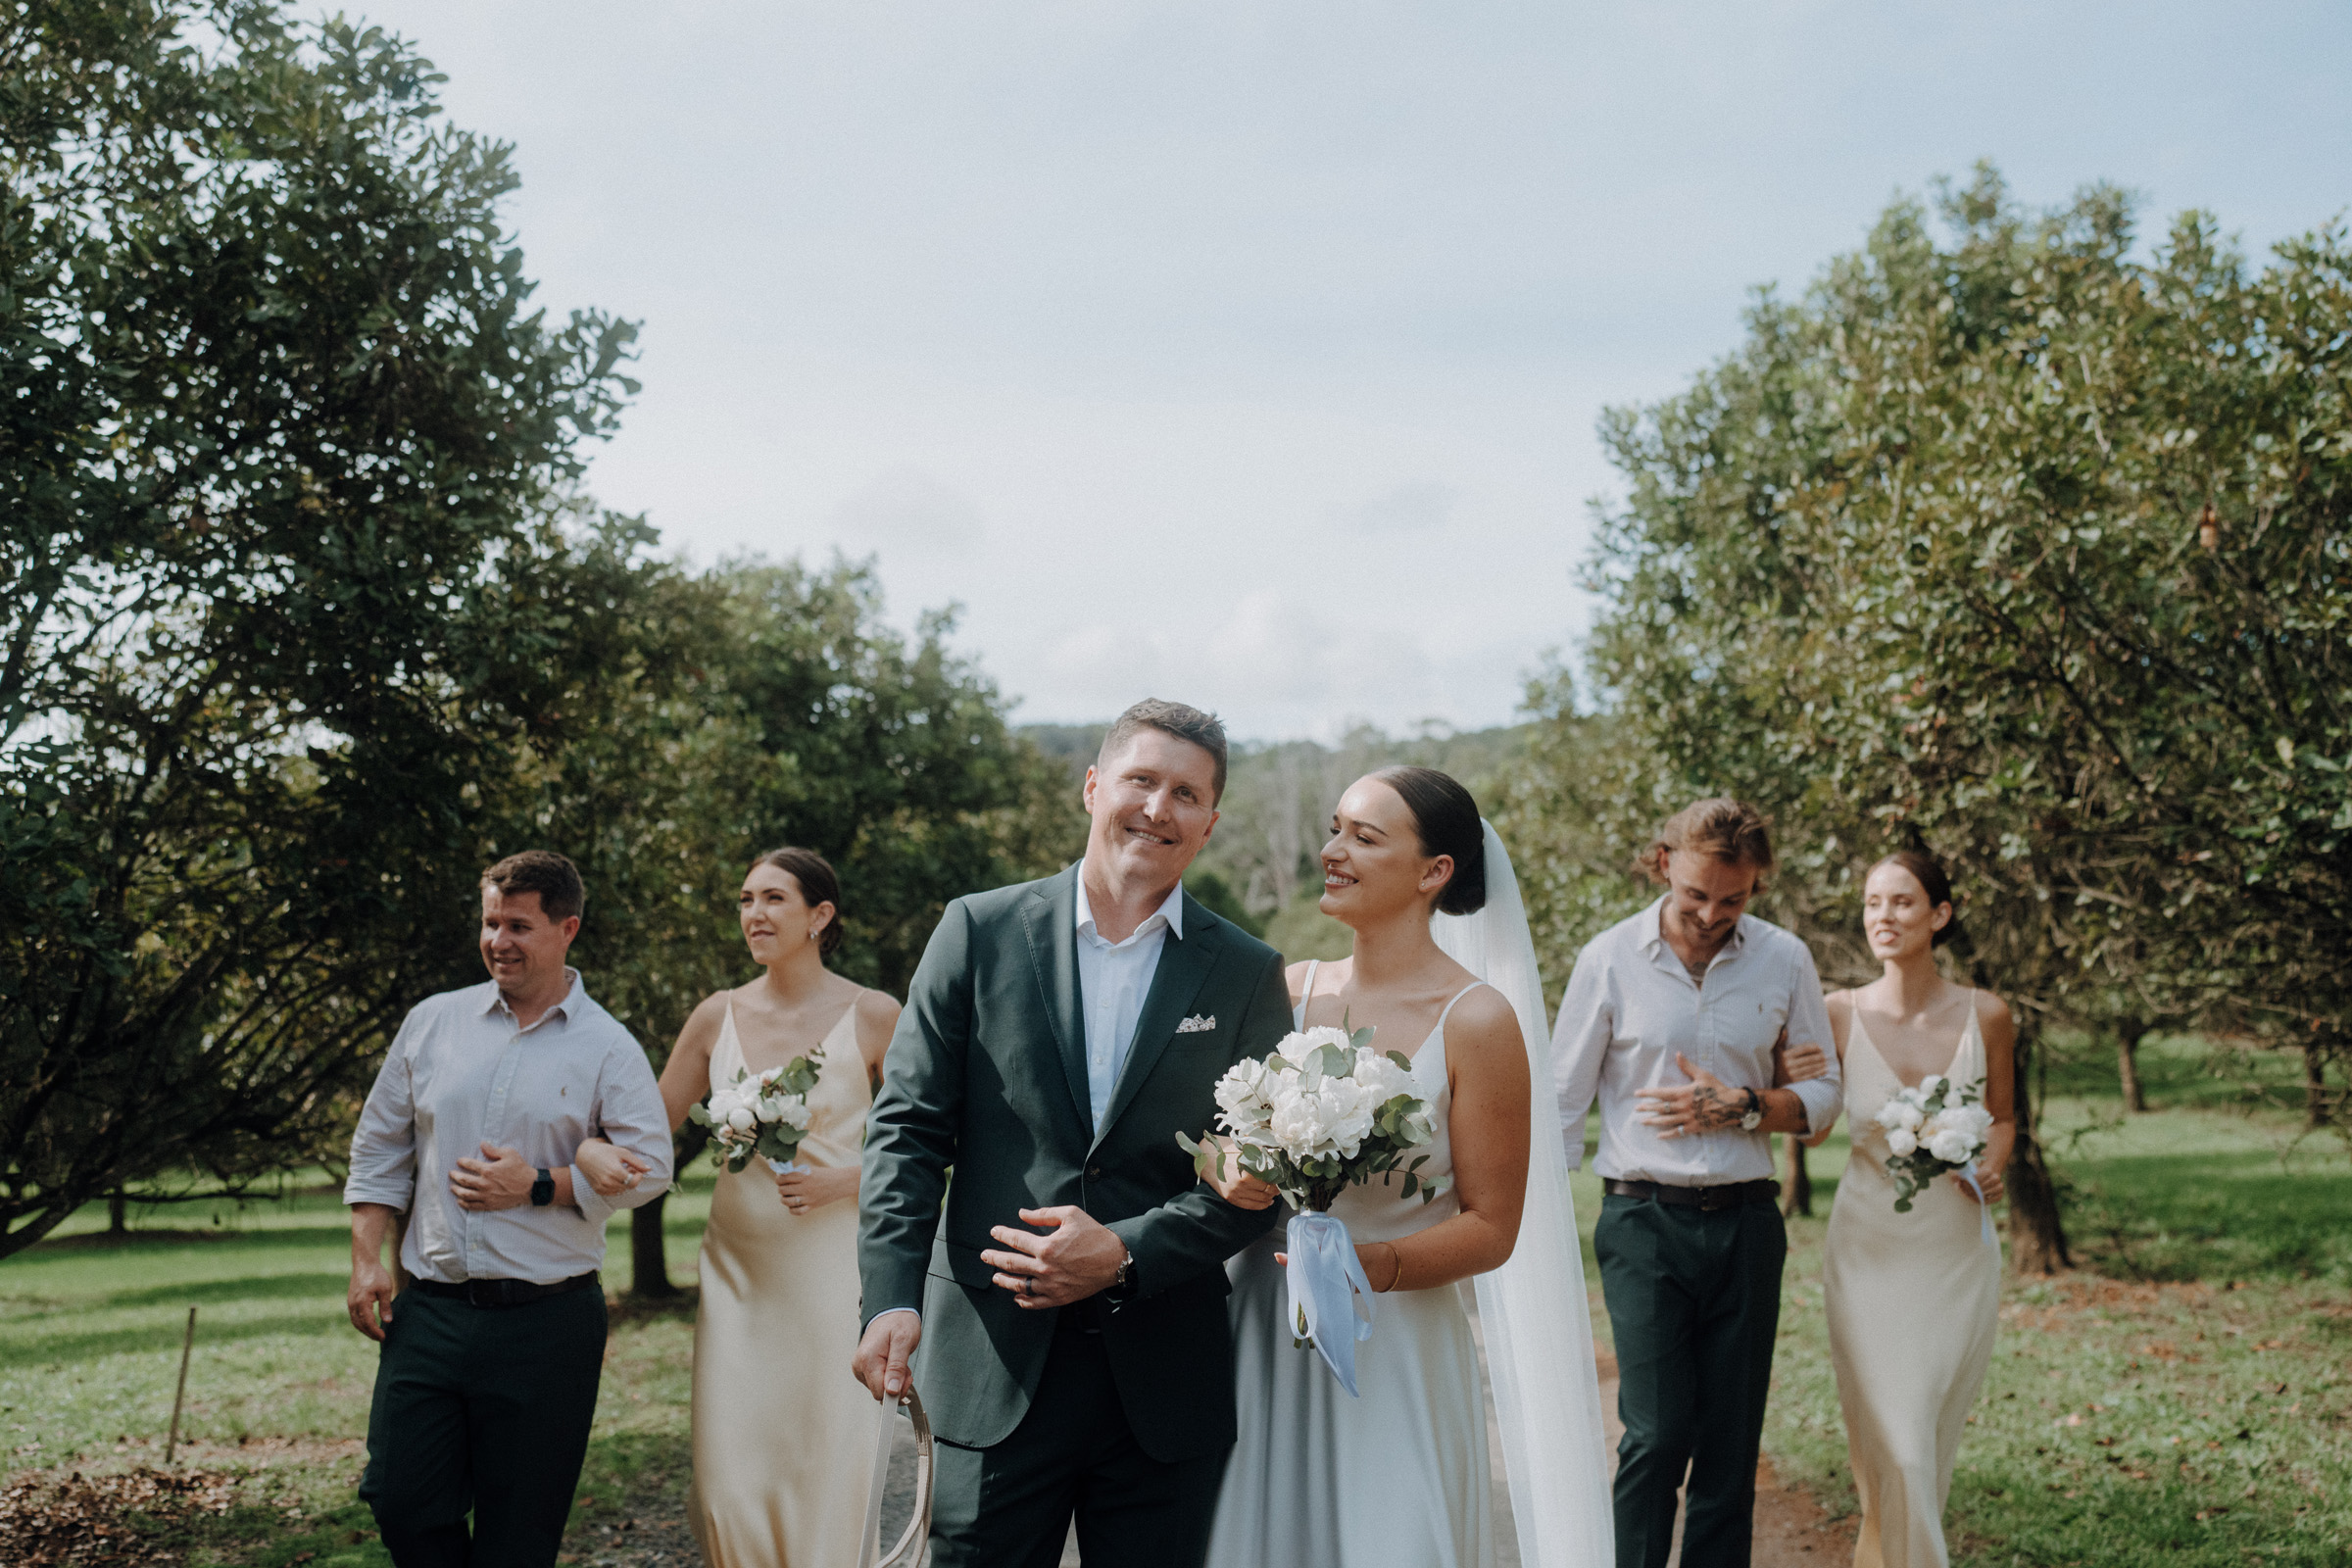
{"x": 774, "y": 914}
{"x": 1896, "y": 916}
{"x": 1374, "y": 862}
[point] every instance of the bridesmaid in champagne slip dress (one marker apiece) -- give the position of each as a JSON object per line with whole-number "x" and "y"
{"x": 782, "y": 1436}
{"x": 1912, "y": 1300}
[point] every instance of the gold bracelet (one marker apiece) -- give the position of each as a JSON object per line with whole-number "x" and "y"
{"x": 1396, "y": 1266}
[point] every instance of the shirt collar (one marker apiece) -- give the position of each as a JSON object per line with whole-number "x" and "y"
{"x": 572, "y": 997}
{"x": 1169, "y": 913}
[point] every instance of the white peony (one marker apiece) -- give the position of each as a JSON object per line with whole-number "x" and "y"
{"x": 1929, "y": 1085}
{"x": 742, "y": 1119}
{"x": 1382, "y": 1077}
{"x": 1952, "y": 1146}
{"x": 1902, "y": 1140}
{"x": 1322, "y": 1034}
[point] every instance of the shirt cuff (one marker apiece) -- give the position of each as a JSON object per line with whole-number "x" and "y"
{"x": 1822, "y": 1101}
{"x": 886, "y": 1311}
{"x": 393, "y": 1195}
{"x": 593, "y": 1207}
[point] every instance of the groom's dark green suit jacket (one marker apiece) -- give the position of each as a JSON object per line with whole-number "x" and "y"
{"x": 987, "y": 1075}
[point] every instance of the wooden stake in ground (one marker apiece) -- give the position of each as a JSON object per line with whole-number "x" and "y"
{"x": 171, "y": 1443}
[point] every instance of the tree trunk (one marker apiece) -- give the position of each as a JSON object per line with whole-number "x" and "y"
{"x": 649, "y": 1265}
{"x": 2315, "y": 1086}
{"x": 118, "y": 1212}
{"x": 2036, "y": 1231}
{"x": 2126, "y": 1063}
{"x": 1798, "y": 1199}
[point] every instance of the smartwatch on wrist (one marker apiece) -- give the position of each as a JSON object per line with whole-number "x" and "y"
{"x": 1754, "y": 1117}
{"x": 543, "y": 1191}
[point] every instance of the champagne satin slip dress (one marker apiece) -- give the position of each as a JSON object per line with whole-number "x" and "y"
{"x": 1912, "y": 1301}
{"x": 783, "y": 1436}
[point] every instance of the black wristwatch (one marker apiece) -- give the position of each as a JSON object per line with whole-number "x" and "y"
{"x": 543, "y": 1191}
{"x": 1122, "y": 1284}
{"x": 1754, "y": 1117}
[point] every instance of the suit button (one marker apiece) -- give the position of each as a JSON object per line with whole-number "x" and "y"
{"x": 1094, "y": 1173}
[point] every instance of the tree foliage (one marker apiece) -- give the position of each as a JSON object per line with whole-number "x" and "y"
{"x": 2032, "y": 549}
{"x": 281, "y": 586}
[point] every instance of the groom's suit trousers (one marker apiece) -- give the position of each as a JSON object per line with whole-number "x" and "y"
{"x": 1010, "y": 1505}
{"x": 1694, "y": 1300}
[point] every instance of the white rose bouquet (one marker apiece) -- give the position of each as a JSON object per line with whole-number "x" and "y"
{"x": 765, "y": 1116}
{"x": 1323, "y": 1113}
{"x": 1935, "y": 1128}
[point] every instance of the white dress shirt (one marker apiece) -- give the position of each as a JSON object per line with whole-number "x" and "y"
{"x": 1632, "y": 1005}
{"x": 1114, "y": 979}
{"x": 462, "y": 1073}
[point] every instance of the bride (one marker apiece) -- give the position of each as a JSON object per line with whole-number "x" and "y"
{"x": 1444, "y": 971}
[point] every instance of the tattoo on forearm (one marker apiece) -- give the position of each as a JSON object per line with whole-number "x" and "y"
{"x": 1715, "y": 1109}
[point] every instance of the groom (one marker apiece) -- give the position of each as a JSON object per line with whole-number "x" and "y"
{"x": 1068, "y": 1296}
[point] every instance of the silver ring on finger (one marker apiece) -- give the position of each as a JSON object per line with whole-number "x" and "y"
{"x": 1025, "y": 1281}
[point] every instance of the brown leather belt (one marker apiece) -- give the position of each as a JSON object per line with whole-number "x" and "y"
{"x": 1707, "y": 1200}
{"x": 502, "y": 1293}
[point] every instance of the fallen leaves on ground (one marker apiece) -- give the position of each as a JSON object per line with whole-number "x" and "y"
{"x": 107, "y": 1521}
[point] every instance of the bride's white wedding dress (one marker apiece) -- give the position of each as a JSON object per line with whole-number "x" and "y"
{"x": 1400, "y": 1474}
{"x": 1400, "y": 1477}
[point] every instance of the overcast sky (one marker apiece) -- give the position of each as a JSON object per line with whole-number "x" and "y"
{"x": 1250, "y": 353}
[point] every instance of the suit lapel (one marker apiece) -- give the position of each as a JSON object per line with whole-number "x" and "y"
{"x": 1051, "y": 921}
{"x": 1184, "y": 966}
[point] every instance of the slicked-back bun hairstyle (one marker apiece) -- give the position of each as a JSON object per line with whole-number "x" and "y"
{"x": 1446, "y": 819}
{"x": 817, "y": 884}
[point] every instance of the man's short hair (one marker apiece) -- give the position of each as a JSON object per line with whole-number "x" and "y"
{"x": 1727, "y": 830}
{"x": 1170, "y": 718}
{"x": 556, "y": 880}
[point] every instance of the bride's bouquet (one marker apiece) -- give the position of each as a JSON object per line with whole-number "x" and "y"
{"x": 1322, "y": 1114}
{"x": 765, "y": 1116}
{"x": 1935, "y": 1128}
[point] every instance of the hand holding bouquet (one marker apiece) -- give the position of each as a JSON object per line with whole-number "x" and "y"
{"x": 1935, "y": 1128}
{"x": 765, "y": 1116}
{"x": 1321, "y": 1114}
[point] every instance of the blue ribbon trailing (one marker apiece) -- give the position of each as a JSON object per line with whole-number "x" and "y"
{"x": 1330, "y": 1293}
{"x": 1968, "y": 1173}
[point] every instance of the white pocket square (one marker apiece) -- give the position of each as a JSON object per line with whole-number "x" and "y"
{"x": 1197, "y": 1025}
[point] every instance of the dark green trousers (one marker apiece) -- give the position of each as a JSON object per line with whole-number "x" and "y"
{"x": 1694, "y": 1300}
{"x": 1073, "y": 1455}
{"x": 482, "y": 1410}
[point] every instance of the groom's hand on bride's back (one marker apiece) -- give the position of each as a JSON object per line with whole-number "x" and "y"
{"x": 1076, "y": 1259}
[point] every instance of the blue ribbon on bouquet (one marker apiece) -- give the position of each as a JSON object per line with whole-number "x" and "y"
{"x": 1330, "y": 1297}
{"x": 1968, "y": 1174}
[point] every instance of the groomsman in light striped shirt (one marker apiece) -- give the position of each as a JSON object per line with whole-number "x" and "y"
{"x": 1672, "y": 1020}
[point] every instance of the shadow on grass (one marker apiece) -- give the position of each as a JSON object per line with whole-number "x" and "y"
{"x": 62, "y": 1248}
{"x": 166, "y": 1333}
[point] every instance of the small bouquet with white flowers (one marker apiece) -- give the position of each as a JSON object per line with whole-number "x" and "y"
{"x": 766, "y": 1115}
{"x": 1323, "y": 1113}
{"x": 1935, "y": 1128}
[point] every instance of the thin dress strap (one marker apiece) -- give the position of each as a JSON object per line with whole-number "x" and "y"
{"x": 1307, "y": 992}
{"x": 1457, "y": 995}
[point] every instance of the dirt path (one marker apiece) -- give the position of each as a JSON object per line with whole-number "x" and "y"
{"x": 1793, "y": 1529}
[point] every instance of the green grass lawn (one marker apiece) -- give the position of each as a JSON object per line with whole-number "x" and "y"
{"x": 90, "y": 1333}
{"x": 2182, "y": 1400}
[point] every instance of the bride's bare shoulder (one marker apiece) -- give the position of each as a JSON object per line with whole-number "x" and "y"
{"x": 1329, "y": 973}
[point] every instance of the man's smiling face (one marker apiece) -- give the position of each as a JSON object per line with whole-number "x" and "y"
{"x": 1153, "y": 805}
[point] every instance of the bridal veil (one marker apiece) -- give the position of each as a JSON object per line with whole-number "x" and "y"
{"x": 1532, "y": 1313}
